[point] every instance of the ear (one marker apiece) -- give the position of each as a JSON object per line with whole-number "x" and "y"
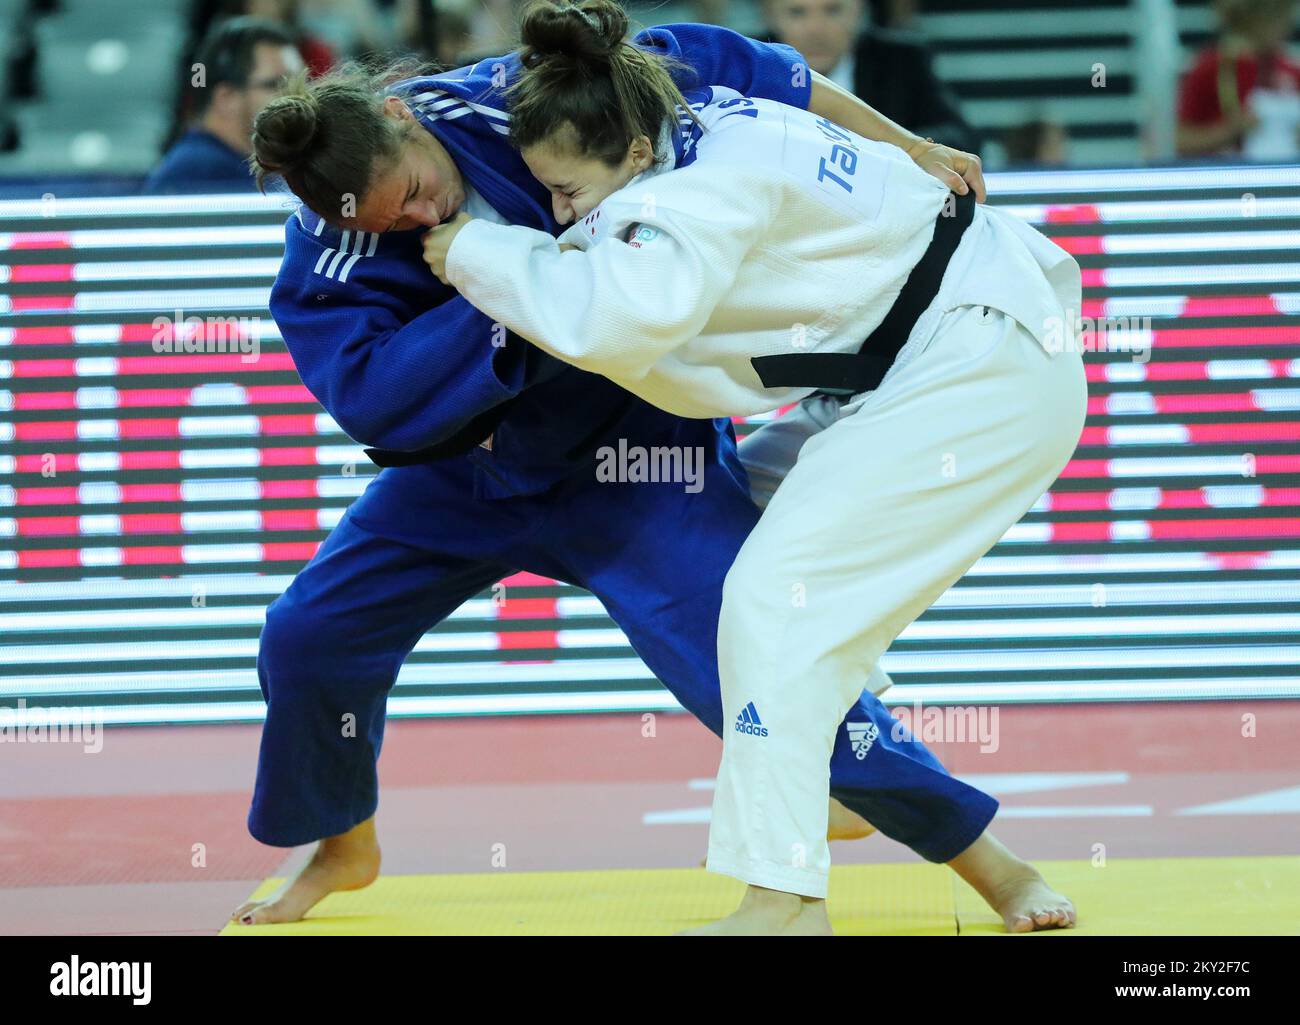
{"x": 642, "y": 153}
{"x": 395, "y": 107}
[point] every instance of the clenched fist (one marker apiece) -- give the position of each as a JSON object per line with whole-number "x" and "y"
{"x": 959, "y": 170}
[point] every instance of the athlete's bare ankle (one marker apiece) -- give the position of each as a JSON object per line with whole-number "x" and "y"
{"x": 758, "y": 898}
{"x": 360, "y": 839}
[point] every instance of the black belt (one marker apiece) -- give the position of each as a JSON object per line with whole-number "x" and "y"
{"x": 851, "y": 373}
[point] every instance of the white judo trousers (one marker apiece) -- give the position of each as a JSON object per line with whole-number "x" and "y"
{"x": 882, "y": 511}
{"x": 768, "y": 454}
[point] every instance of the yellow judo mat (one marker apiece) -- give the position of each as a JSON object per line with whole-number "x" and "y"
{"x": 1155, "y": 896}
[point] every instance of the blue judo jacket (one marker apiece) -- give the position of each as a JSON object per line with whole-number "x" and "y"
{"x": 403, "y": 363}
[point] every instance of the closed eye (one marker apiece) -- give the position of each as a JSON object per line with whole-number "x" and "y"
{"x": 410, "y": 195}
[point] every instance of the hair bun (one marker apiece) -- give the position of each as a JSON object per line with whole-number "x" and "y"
{"x": 591, "y": 30}
{"x": 284, "y": 131}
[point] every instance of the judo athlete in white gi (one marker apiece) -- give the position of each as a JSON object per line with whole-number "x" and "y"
{"x": 755, "y": 256}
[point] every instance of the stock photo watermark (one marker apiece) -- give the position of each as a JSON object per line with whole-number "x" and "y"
{"x": 64, "y": 725}
{"x": 657, "y": 464}
{"x": 77, "y": 978}
{"x": 1075, "y": 333}
{"x": 950, "y": 724}
{"x": 195, "y": 335}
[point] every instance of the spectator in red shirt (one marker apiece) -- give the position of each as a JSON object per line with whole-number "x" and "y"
{"x": 1242, "y": 94}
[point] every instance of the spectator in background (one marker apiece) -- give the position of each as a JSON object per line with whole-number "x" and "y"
{"x": 1038, "y": 143}
{"x": 455, "y": 43}
{"x": 239, "y": 69}
{"x": 886, "y": 69}
{"x": 494, "y": 26}
{"x": 895, "y": 13}
{"x": 205, "y": 15}
{"x": 351, "y": 28}
{"x": 711, "y": 12}
{"x": 1242, "y": 94}
{"x": 318, "y": 55}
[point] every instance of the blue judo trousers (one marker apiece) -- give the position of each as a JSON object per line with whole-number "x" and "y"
{"x": 405, "y": 365}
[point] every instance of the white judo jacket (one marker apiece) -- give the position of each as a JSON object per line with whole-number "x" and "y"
{"x": 773, "y": 232}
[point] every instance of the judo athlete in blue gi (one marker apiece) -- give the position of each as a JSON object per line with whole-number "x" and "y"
{"x": 490, "y": 450}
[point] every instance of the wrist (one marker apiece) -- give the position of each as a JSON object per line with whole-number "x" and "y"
{"x": 917, "y": 146}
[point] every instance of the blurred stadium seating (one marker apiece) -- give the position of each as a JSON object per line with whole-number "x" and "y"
{"x": 105, "y": 78}
{"x": 91, "y": 85}
{"x": 1010, "y": 62}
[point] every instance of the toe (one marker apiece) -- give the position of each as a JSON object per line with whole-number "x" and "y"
{"x": 259, "y": 914}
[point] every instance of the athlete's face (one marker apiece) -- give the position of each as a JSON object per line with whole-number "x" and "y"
{"x": 822, "y": 30}
{"x": 422, "y": 189}
{"x": 578, "y": 184}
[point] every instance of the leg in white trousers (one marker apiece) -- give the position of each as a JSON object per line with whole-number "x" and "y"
{"x": 883, "y": 510}
{"x": 768, "y": 455}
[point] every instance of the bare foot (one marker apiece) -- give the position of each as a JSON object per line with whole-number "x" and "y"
{"x": 1030, "y": 904}
{"x": 771, "y": 913}
{"x": 348, "y": 861}
{"x": 1013, "y": 887}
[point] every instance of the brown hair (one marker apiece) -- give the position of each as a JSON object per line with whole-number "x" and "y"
{"x": 328, "y": 137}
{"x": 579, "y": 70}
